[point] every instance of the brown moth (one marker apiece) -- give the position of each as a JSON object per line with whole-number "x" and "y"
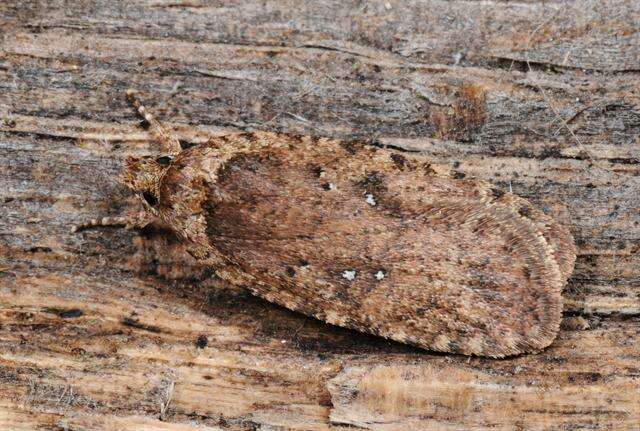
{"x": 361, "y": 237}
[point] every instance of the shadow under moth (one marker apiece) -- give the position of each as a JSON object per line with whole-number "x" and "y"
{"x": 361, "y": 237}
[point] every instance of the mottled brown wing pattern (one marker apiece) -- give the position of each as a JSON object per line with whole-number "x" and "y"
{"x": 373, "y": 240}
{"x": 360, "y": 237}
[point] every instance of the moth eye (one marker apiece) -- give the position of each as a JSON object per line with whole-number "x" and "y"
{"x": 150, "y": 198}
{"x": 164, "y": 160}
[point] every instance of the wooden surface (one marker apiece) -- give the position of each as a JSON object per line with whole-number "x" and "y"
{"x": 117, "y": 329}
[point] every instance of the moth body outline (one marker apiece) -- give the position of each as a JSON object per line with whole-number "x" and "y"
{"x": 361, "y": 237}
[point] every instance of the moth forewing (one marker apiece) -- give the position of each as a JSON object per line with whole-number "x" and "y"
{"x": 365, "y": 238}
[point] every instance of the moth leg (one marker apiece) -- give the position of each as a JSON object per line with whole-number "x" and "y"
{"x": 169, "y": 143}
{"x": 131, "y": 220}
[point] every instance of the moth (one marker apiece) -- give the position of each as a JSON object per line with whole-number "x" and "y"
{"x": 361, "y": 237}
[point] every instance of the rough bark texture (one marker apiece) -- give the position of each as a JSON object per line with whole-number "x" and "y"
{"x": 116, "y": 329}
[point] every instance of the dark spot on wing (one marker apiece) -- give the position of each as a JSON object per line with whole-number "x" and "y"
{"x": 317, "y": 171}
{"x": 497, "y": 193}
{"x": 428, "y": 170}
{"x": 399, "y": 160}
{"x": 184, "y": 144}
{"x": 373, "y": 182}
{"x": 349, "y": 147}
{"x": 525, "y": 212}
{"x": 250, "y": 136}
{"x": 459, "y": 175}
{"x": 295, "y": 137}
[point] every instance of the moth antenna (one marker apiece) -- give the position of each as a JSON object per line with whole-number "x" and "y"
{"x": 138, "y": 219}
{"x": 169, "y": 143}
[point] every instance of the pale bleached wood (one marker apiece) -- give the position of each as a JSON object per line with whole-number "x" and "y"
{"x": 96, "y": 328}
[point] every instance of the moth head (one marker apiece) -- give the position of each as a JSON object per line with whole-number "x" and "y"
{"x": 143, "y": 176}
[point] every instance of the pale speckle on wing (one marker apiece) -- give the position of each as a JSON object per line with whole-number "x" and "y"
{"x": 349, "y": 274}
{"x": 370, "y": 199}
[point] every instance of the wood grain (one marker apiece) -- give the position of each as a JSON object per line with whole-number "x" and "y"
{"x": 117, "y": 329}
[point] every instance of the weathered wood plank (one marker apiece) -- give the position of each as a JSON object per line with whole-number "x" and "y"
{"x": 118, "y": 347}
{"x": 443, "y": 396}
{"x": 98, "y": 328}
{"x": 597, "y": 35}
